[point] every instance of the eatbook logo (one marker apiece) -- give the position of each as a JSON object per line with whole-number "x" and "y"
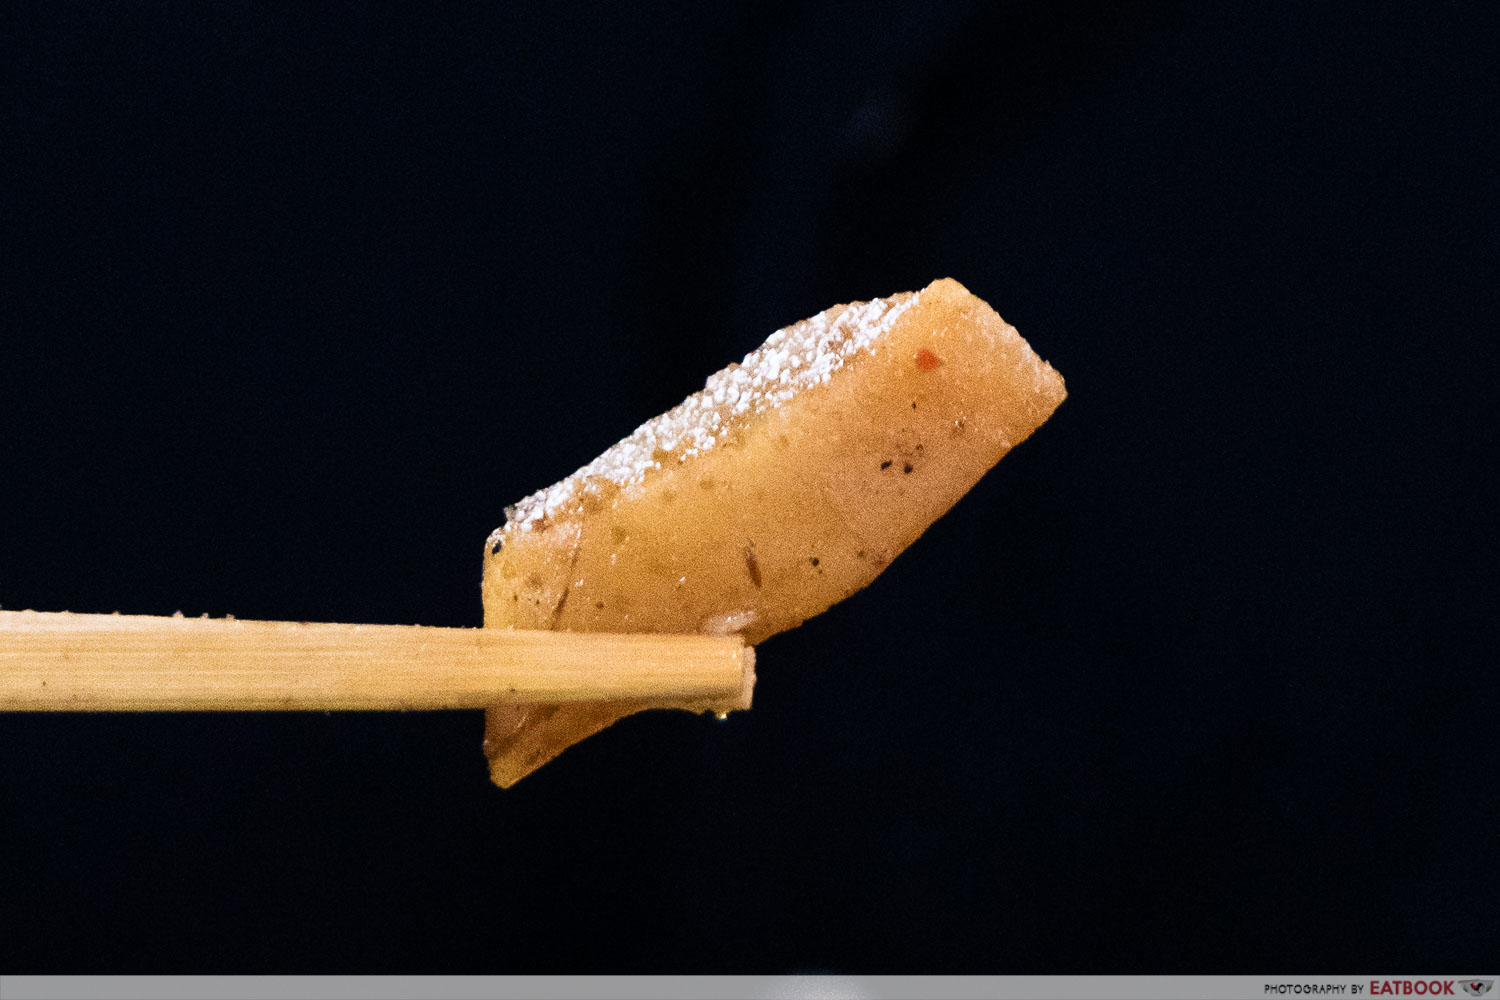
{"x": 1478, "y": 987}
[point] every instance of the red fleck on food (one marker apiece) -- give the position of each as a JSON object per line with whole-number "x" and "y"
{"x": 927, "y": 361}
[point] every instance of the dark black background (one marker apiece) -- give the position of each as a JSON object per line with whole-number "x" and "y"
{"x": 296, "y": 300}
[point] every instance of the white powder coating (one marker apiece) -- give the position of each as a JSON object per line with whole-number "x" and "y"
{"x": 791, "y": 361}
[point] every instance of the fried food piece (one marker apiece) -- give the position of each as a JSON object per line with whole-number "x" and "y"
{"x": 783, "y": 486}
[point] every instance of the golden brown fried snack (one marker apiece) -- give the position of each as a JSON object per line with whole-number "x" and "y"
{"x": 783, "y": 486}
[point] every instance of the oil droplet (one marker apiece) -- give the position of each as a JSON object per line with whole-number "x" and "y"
{"x": 722, "y": 716}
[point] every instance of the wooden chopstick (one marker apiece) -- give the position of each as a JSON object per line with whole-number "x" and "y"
{"x": 51, "y": 661}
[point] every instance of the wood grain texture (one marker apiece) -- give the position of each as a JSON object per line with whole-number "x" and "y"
{"x": 85, "y": 662}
